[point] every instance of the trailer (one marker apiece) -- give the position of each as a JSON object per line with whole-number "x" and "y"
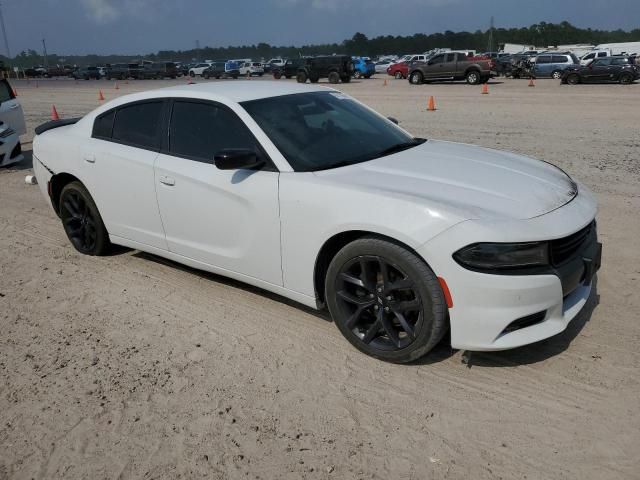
{"x": 622, "y": 48}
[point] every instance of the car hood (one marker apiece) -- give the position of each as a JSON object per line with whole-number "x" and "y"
{"x": 473, "y": 182}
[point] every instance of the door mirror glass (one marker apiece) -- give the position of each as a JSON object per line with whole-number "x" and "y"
{"x": 236, "y": 159}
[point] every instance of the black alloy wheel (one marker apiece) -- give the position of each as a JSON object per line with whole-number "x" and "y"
{"x": 626, "y": 79}
{"x": 573, "y": 79}
{"x": 81, "y": 220}
{"x": 385, "y": 300}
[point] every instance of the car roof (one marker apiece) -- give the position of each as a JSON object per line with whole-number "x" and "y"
{"x": 231, "y": 91}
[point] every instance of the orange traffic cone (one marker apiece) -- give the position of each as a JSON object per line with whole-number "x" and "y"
{"x": 485, "y": 88}
{"x": 100, "y": 95}
{"x": 54, "y": 113}
{"x": 116, "y": 87}
{"x": 531, "y": 84}
{"x": 431, "y": 105}
{"x": 385, "y": 83}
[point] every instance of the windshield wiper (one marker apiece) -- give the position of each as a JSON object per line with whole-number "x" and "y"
{"x": 400, "y": 147}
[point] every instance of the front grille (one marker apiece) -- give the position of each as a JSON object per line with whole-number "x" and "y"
{"x": 563, "y": 249}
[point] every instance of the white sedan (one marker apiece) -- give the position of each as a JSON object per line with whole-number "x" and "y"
{"x": 306, "y": 192}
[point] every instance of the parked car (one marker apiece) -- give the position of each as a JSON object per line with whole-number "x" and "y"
{"x": 620, "y": 69}
{"x": 198, "y": 68}
{"x": 553, "y": 64}
{"x": 451, "y": 66}
{"x": 290, "y": 68}
{"x": 321, "y": 200}
{"x": 363, "y": 67}
{"x": 57, "y": 71}
{"x": 251, "y": 68}
{"x": 166, "y": 69}
{"x": 398, "y": 70}
{"x": 273, "y": 64}
{"x": 86, "y": 73}
{"x": 590, "y": 56}
{"x": 222, "y": 70}
{"x": 118, "y": 71}
{"x": 336, "y": 68}
{"x": 12, "y": 125}
{"x": 382, "y": 66}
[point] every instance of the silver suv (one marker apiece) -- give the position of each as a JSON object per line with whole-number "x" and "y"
{"x": 553, "y": 64}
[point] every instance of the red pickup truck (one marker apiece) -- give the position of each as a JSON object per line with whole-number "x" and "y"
{"x": 452, "y": 66}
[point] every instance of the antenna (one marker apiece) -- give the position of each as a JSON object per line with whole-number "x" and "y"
{"x": 490, "y": 46}
{"x": 44, "y": 47}
{"x": 4, "y": 33}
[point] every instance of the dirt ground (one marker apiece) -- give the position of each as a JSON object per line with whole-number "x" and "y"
{"x": 130, "y": 366}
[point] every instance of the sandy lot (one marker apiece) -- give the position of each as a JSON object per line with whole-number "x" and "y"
{"x": 129, "y": 366}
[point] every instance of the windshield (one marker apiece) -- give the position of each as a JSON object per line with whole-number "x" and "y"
{"x": 322, "y": 130}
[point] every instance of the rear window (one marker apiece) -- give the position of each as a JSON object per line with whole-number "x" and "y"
{"x": 103, "y": 125}
{"x": 620, "y": 61}
{"x": 543, "y": 59}
{"x": 138, "y": 125}
{"x": 560, "y": 59}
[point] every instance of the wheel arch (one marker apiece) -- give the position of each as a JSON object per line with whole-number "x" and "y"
{"x": 333, "y": 245}
{"x": 57, "y": 183}
{"x": 472, "y": 68}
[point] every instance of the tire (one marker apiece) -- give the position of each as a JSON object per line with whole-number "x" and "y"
{"x": 277, "y": 75}
{"x": 334, "y": 77}
{"x": 314, "y": 78}
{"x": 192, "y": 74}
{"x": 81, "y": 220}
{"x": 556, "y": 74}
{"x": 396, "y": 316}
{"x": 398, "y": 75}
{"x": 473, "y": 77}
{"x": 416, "y": 78}
{"x": 573, "y": 79}
{"x": 626, "y": 79}
{"x": 206, "y": 76}
{"x": 301, "y": 77}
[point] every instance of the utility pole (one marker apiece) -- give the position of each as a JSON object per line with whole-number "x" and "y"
{"x": 198, "y": 51}
{"x": 4, "y": 33}
{"x": 44, "y": 46}
{"x": 490, "y": 46}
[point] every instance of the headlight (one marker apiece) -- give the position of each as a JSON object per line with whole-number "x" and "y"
{"x": 501, "y": 256}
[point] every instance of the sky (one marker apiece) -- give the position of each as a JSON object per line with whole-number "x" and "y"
{"x": 147, "y": 26}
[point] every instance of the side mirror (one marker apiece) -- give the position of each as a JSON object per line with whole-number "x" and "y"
{"x": 394, "y": 120}
{"x": 236, "y": 159}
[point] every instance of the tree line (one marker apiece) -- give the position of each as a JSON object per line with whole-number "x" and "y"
{"x": 540, "y": 34}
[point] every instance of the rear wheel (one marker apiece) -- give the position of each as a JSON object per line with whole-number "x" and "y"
{"x": 473, "y": 77}
{"x": 626, "y": 79}
{"x": 398, "y": 75}
{"x": 385, "y": 300}
{"x": 557, "y": 75}
{"x": 573, "y": 79}
{"x": 301, "y": 77}
{"x": 416, "y": 78}
{"x": 334, "y": 77}
{"x": 81, "y": 220}
{"x": 277, "y": 75}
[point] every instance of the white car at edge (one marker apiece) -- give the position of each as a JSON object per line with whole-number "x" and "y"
{"x": 305, "y": 192}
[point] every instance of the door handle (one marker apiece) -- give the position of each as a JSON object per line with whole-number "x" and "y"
{"x": 90, "y": 158}
{"x": 167, "y": 180}
{"x": 14, "y": 106}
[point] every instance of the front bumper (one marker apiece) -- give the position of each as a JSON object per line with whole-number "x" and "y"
{"x": 498, "y": 312}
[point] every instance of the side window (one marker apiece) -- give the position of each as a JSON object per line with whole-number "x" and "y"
{"x": 589, "y": 57}
{"x": 437, "y": 59}
{"x": 103, "y": 125}
{"x": 5, "y": 91}
{"x": 543, "y": 59}
{"x": 602, "y": 54}
{"x": 461, "y": 57}
{"x": 620, "y": 61}
{"x": 450, "y": 57}
{"x": 200, "y": 130}
{"x": 139, "y": 125}
{"x": 559, "y": 59}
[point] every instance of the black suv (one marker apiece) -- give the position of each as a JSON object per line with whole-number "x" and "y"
{"x": 86, "y": 73}
{"x": 335, "y": 68}
{"x": 603, "y": 70}
{"x": 290, "y": 68}
{"x": 219, "y": 70}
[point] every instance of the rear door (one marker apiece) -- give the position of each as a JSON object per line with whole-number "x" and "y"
{"x": 117, "y": 164}
{"x": 228, "y": 219}
{"x": 10, "y": 109}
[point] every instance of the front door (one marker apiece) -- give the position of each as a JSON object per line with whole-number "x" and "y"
{"x": 435, "y": 67}
{"x": 228, "y": 219}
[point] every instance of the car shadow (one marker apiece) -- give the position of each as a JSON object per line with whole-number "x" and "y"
{"x": 543, "y": 350}
{"x": 322, "y": 314}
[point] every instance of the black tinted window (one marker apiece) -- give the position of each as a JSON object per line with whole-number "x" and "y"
{"x": 620, "y": 61}
{"x": 139, "y": 124}
{"x": 450, "y": 57}
{"x": 559, "y": 59}
{"x": 437, "y": 59}
{"x": 200, "y": 130}
{"x": 543, "y": 59}
{"x": 103, "y": 125}
{"x": 5, "y": 91}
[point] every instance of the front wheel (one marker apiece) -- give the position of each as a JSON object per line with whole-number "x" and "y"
{"x": 81, "y": 220}
{"x": 556, "y": 75}
{"x": 573, "y": 79}
{"x": 385, "y": 300}
{"x": 473, "y": 77}
{"x": 398, "y": 75}
{"x": 416, "y": 78}
{"x": 277, "y": 75}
